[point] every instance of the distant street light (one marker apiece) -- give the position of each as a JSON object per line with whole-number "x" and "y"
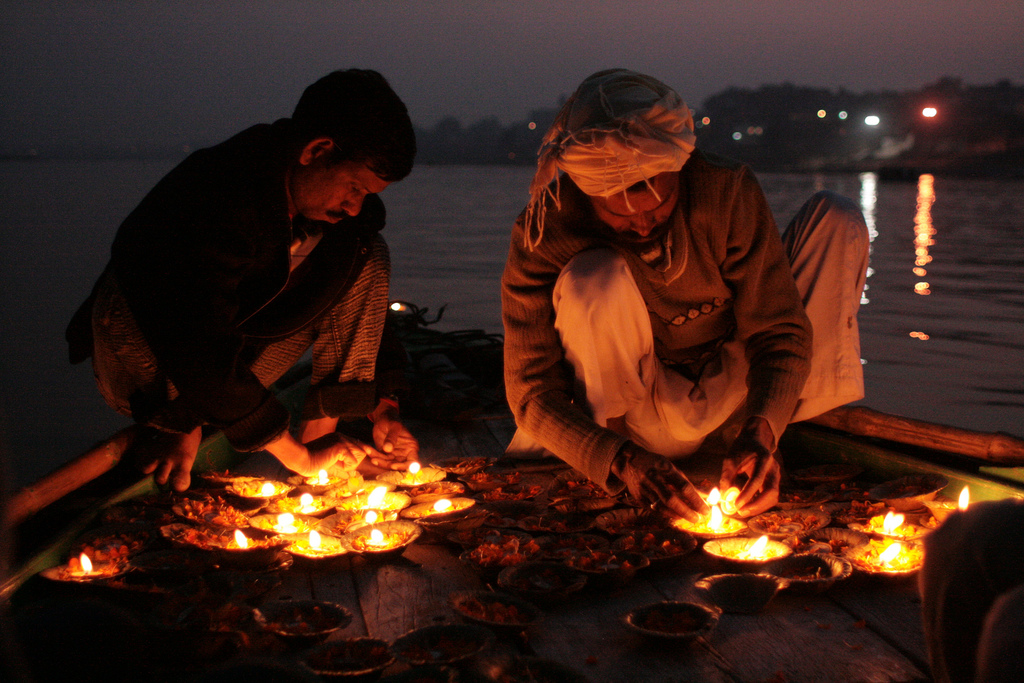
{"x": 872, "y": 120}
{"x": 929, "y": 112}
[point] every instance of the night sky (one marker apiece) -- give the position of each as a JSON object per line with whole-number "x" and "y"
{"x": 109, "y": 72}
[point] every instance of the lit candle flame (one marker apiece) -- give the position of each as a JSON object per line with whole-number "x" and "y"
{"x": 240, "y": 540}
{"x": 267, "y": 489}
{"x": 376, "y": 497}
{"x": 755, "y": 551}
{"x": 86, "y": 563}
{"x": 889, "y": 554}
{"x": 714, "y": 497}
{"x": 716, "y": 520}
{"x": 414, "y": 467}
{"x": 892, "y": 522}
{"x": 376, "y": 537}
{"x": 965, "y": 500}
{"x": 371, "y": 516}
{"x": 306, "y": 501}
{"x": 442, "y": 505}
{"x": 322, "y": 479}
{"x": 314, "y": 540}
{"x": 286, "y": 523}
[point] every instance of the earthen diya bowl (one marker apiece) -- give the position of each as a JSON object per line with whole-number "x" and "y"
{"x": 397, "y": 536}
{"x": 736, "y": 550}
{"x": 740, "y": 593}
{"x": 680, "y": 621}
{"x": 810, "y": 572}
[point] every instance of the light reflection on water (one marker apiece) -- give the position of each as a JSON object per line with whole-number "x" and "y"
{"x": 448, "y": 228}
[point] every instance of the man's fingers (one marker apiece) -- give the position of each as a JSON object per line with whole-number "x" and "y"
{"x": 163, "y": 471}
{"x": 764, "y": 467}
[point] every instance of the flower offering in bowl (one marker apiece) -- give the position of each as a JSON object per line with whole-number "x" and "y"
{"x": 252, "y": 548}
{"x": 414, "y": 476}
{"x": 910, "y": 492}
{"x": 334, "y": 480}
{"x": 303, "y": 620}
{"x": 443, "y": 644}
{"x": 303, "y": 504}
{"x": 786, "y": 523}
{"x": 542, "y": 581}
{"x": 285, "y": 523}
{"x": 462, "y": 466}
{"x": 314, "y": 548}
{"x": 361, "y": 659}
{"x": 497, "y": 611}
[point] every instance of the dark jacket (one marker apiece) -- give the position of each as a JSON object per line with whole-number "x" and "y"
{"x": 203, "y": 262}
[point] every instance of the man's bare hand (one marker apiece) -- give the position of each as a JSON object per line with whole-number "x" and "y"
{"x": 396, "y": 446}
{"x": 752, "y": 467}
{"x": 654, "y": 480}
{"x": 167, "y": 455}
{"x": 335, "y": 448}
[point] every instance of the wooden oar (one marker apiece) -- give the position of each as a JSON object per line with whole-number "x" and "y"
{"x": 98, "y": 460}
{"x": 996, "y": 448}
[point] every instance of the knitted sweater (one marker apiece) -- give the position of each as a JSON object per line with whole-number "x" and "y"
{"x": 729, "y": 279}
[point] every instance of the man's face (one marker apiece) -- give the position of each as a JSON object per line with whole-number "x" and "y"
{"x": 637, "y": 211}
{"x": 322, "y": 191}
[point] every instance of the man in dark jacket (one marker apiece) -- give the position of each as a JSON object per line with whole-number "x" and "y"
{"x": 242, "y": 258}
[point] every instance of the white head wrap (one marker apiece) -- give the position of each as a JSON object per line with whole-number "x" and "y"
{"x": 619, "y": 128}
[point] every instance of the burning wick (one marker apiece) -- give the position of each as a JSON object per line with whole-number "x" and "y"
{"x": 755, "y": 551}
{"x": 314, "y": 540}
{"x": 414, "y": 469}
{"x": 267, "y": 490}
{"x": 322, "y": 479}
{"x": 86, "y": 563}
{"x": 442, "y": 505}
{"x": 240, "y": 540}
{"x": 891, "y": 523}
{"x": 286, "y": 524}
{"x": 371, "y": 516}
{"x": 715, "y": 518}
{"x": 306, "y": 501}
{"x": 965, "y": 500}
{"x": 889, "y": 554}
{"x": 376, "y": 497}
{"x": 376, "y": 538}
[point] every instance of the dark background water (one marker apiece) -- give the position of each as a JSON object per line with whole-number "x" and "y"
{"x": 954, "y": 355}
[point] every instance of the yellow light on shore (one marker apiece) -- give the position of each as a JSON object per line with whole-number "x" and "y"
{"x": 929, "y": 112}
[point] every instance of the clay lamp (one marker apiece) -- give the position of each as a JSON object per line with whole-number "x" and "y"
{"x": 887, "y": 557}
{"x": 379, "y": 499}
{"x": 715, "y": 524}
{"x": 315, "y": 546}
{"x": 747, "y": 550}
{"x": 381, "y": 540}
{"x": 941, "y": 508}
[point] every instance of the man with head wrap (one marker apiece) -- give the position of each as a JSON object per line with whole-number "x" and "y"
{"x": 649, "y": 302}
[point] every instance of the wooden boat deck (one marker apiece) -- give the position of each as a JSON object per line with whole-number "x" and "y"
{"x": 866, "y": 628}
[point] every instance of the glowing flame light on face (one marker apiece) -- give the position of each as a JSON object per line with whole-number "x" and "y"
{"x": 892, "y": 522}
{"x": 965, "y": 499}
{"x": 306, "y": 501}
{"x": 889, "y": 554}
{"x": 267, "y": 489}
{"x": 86, "y": 563}
{"x": 376, "y": 497}
{"x": 286, "y": 523}
{"x": 442, "y": 505}
{"x": 314, "y": 540}
{"x": 240, "y": 540}
{"x": 755, "y": 551}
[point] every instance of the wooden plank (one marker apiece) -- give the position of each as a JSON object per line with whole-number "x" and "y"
{"x": 813, "y": 445}
{"x": 802, "y": 637}
{"x": 398, "y": 596}
{"x": 588, "y": 634}
{"x": 889, "y": 606}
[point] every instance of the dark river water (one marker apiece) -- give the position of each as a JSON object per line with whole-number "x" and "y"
{"x": 941, "y": 322}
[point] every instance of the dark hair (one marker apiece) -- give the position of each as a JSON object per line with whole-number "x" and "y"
{"x": 366, "y": 119}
